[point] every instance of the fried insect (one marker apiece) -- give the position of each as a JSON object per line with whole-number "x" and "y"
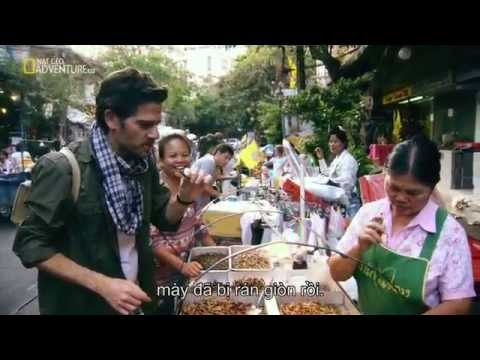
{"x": 207, "y": 260}
{"x": 217, "y": 307}
{"x": 380, "y": 220}
{"x": 253, "y": 260}
{"x": 309, "y": 308}
{"x": 250, "y": 283}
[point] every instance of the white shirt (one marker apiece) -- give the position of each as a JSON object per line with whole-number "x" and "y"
{"x": 227, "y": 186}
{"x": 342, "y": 171}
{"x": 227, "y": 169}
{"x": 16, "y": 158}
{"x": 128, "y": 255}
{"x": 208, "y": 165}
{"x": 279, "y": 165}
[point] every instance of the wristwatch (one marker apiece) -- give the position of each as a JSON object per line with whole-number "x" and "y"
{"x": 186, "y": 203}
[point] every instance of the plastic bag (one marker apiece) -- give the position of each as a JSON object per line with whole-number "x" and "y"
{"x": 317, "y": 234}
{"x": 290, "y": 235}
{"x": 336, "y": 227}
{"x": 292, "y": 188}
{"x": 326, "y": 192}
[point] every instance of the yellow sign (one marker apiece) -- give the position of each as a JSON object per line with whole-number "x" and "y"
{"x": 29, "y": 66}
{"x": 54, "y": 65}
{"x": 397, "y": 95}
{"x": 397, "y": 126}
{"x": 293, "y": 74}
{"x": 251, "y": 155}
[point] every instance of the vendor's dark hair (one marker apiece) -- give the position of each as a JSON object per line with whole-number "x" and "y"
{"x": 223, "y": 148}
{"x": 340, "y": 134}
{"x": 166, "y": 139}
{"x": 280, "y": 150}
{"x": 124, "y": 91}
{"x": 418, "y": 157}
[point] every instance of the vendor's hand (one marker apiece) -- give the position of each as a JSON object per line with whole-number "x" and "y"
{"x": 372, "y": 234}
{"x": 192, "y": 269}
{"x": 123, "y": 295}
{"x": 319, "y": 153}
{"x": 193, "y": 184}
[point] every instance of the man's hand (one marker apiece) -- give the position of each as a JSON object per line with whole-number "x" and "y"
{"x": 193, "y": 184}
{"x": 123, "y": 295}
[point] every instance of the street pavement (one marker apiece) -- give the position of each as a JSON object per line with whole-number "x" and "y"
{"x": 18, "y": 286}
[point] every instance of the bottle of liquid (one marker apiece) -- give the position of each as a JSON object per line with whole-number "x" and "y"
{"x": 299, "y": 262}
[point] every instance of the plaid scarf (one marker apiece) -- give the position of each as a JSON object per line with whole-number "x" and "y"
{"x": 123, "y": 191}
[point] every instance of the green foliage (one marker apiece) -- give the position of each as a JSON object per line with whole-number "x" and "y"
{"x": 326, "y": 108}
{"x": 35, "y": 91}
{"x": 365, "y": 165}
{"x": 208, "y": 115}
{"x": 269, "y": 115}
{"x": 64, "y": 90}
{"x": 248, "y": 85}
{"x": 337, "y": 105}
{"x": 164, "y": 71}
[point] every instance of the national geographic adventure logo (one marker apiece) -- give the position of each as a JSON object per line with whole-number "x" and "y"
{"x": 54, "y": 65}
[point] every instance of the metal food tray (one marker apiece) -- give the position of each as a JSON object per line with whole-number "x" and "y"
{"x": 228, "y": 278}
{"x": 329, "y": 298}
{"x": 220, "y": 276}
{"x": 292, "y": 276}
{"x": 192, "y": 299}
{"x": 237, "y": 248}
{"x": 223, "y": 250}
{"x": 266, "y": 276}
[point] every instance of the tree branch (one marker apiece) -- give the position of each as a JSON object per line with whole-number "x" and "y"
{"x": 322, "y": 53}
{"x": 367, "y": 60}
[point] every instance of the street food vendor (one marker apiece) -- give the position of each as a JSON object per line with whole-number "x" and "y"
{"x": 415, "y": 257}
{"x": 171, "y": 249}
{"x": 343, "y": 169}
{"x": 209, "y": 163}
{"x": 278, "y": 163}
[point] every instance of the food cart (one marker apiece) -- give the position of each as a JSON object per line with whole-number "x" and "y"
{"x": 261, "y": 281}
{"x": 266, "y": 278}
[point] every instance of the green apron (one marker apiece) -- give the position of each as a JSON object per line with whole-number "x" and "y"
{"x": 396, "y": 284}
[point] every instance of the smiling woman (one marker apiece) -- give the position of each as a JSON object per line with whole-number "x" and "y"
{"x": 424, "y": 249}
{"x": 171, "y": 248}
